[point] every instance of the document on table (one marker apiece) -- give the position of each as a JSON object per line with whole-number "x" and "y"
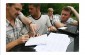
{"x": 40, "y": 40}
{"x": 54, "y": 42}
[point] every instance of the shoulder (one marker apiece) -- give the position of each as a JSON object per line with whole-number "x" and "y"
{"x": 29, "y": 16}
{"x": 57, "y": 15}
{"x": 70, "y": 19}
{"x": 44, "y": 16}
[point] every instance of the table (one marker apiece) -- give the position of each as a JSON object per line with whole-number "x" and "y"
{"x": 72, "y": 47}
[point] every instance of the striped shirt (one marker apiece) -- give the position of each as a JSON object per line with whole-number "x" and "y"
{"x": 13, "y": 33}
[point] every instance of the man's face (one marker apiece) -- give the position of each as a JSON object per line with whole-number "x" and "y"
{"x": 65, "y": 15}
{"x": 14, "y": 10}
{"x": 33, "y": 10}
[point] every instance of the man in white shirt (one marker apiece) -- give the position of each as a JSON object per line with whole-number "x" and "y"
{"x": 42, "y": 21}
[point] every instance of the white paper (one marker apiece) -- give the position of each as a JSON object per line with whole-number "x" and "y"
{"x": 63, "y": 28}
{"x": 37, "y": 40}
{"x": 55, "y": 43}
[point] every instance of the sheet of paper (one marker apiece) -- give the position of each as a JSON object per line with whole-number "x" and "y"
{"x": 55, "y": 43}
{"x": 63, "y": 28}
{"x": 40, "y": 40}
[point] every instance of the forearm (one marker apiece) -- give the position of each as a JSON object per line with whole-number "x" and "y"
{"x": 24, "y": 19}
{"x": 18, "y": 41}
{"x": 52, "y": 28}
{"x": 58, "y": 24}
{"x": 11, "y": 45}
{"x": 75, "y": 23}
{"x": 76, "y": 14}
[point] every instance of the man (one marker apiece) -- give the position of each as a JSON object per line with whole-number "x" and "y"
{"x": 65, "y": 17}
{"x": 16, "y": 33}
{"x": 42, "y": 21}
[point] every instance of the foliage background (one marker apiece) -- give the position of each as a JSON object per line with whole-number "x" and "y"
{"x": 56, "y": 6}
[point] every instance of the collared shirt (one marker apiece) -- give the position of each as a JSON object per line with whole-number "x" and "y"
{"x": 69, "y": 21}
{"x": 13, "y": 33}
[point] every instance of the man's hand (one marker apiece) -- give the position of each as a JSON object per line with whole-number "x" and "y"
{"x": 22, "y": 39}
{"x": 72, "y": 8}
{"x": 33, "y": 28}
{"x": 52, "y": 28}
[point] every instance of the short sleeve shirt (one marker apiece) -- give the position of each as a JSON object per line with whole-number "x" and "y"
{"x": 69, "y": 21}
{"x": 43, "y": 23}
{"x": 13, "y": 33}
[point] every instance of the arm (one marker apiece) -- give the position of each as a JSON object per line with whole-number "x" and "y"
{"x": 29, "y": 23}
{"x": 73, "y": 22}
{"x": 52, "y": 28}
{"x": 17, "y": 42}
{"x": 11, "y": 45}
{"x": 59, "y": 24}
{"x": 24, "y": 19}
{"x": 75, "y": 12}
